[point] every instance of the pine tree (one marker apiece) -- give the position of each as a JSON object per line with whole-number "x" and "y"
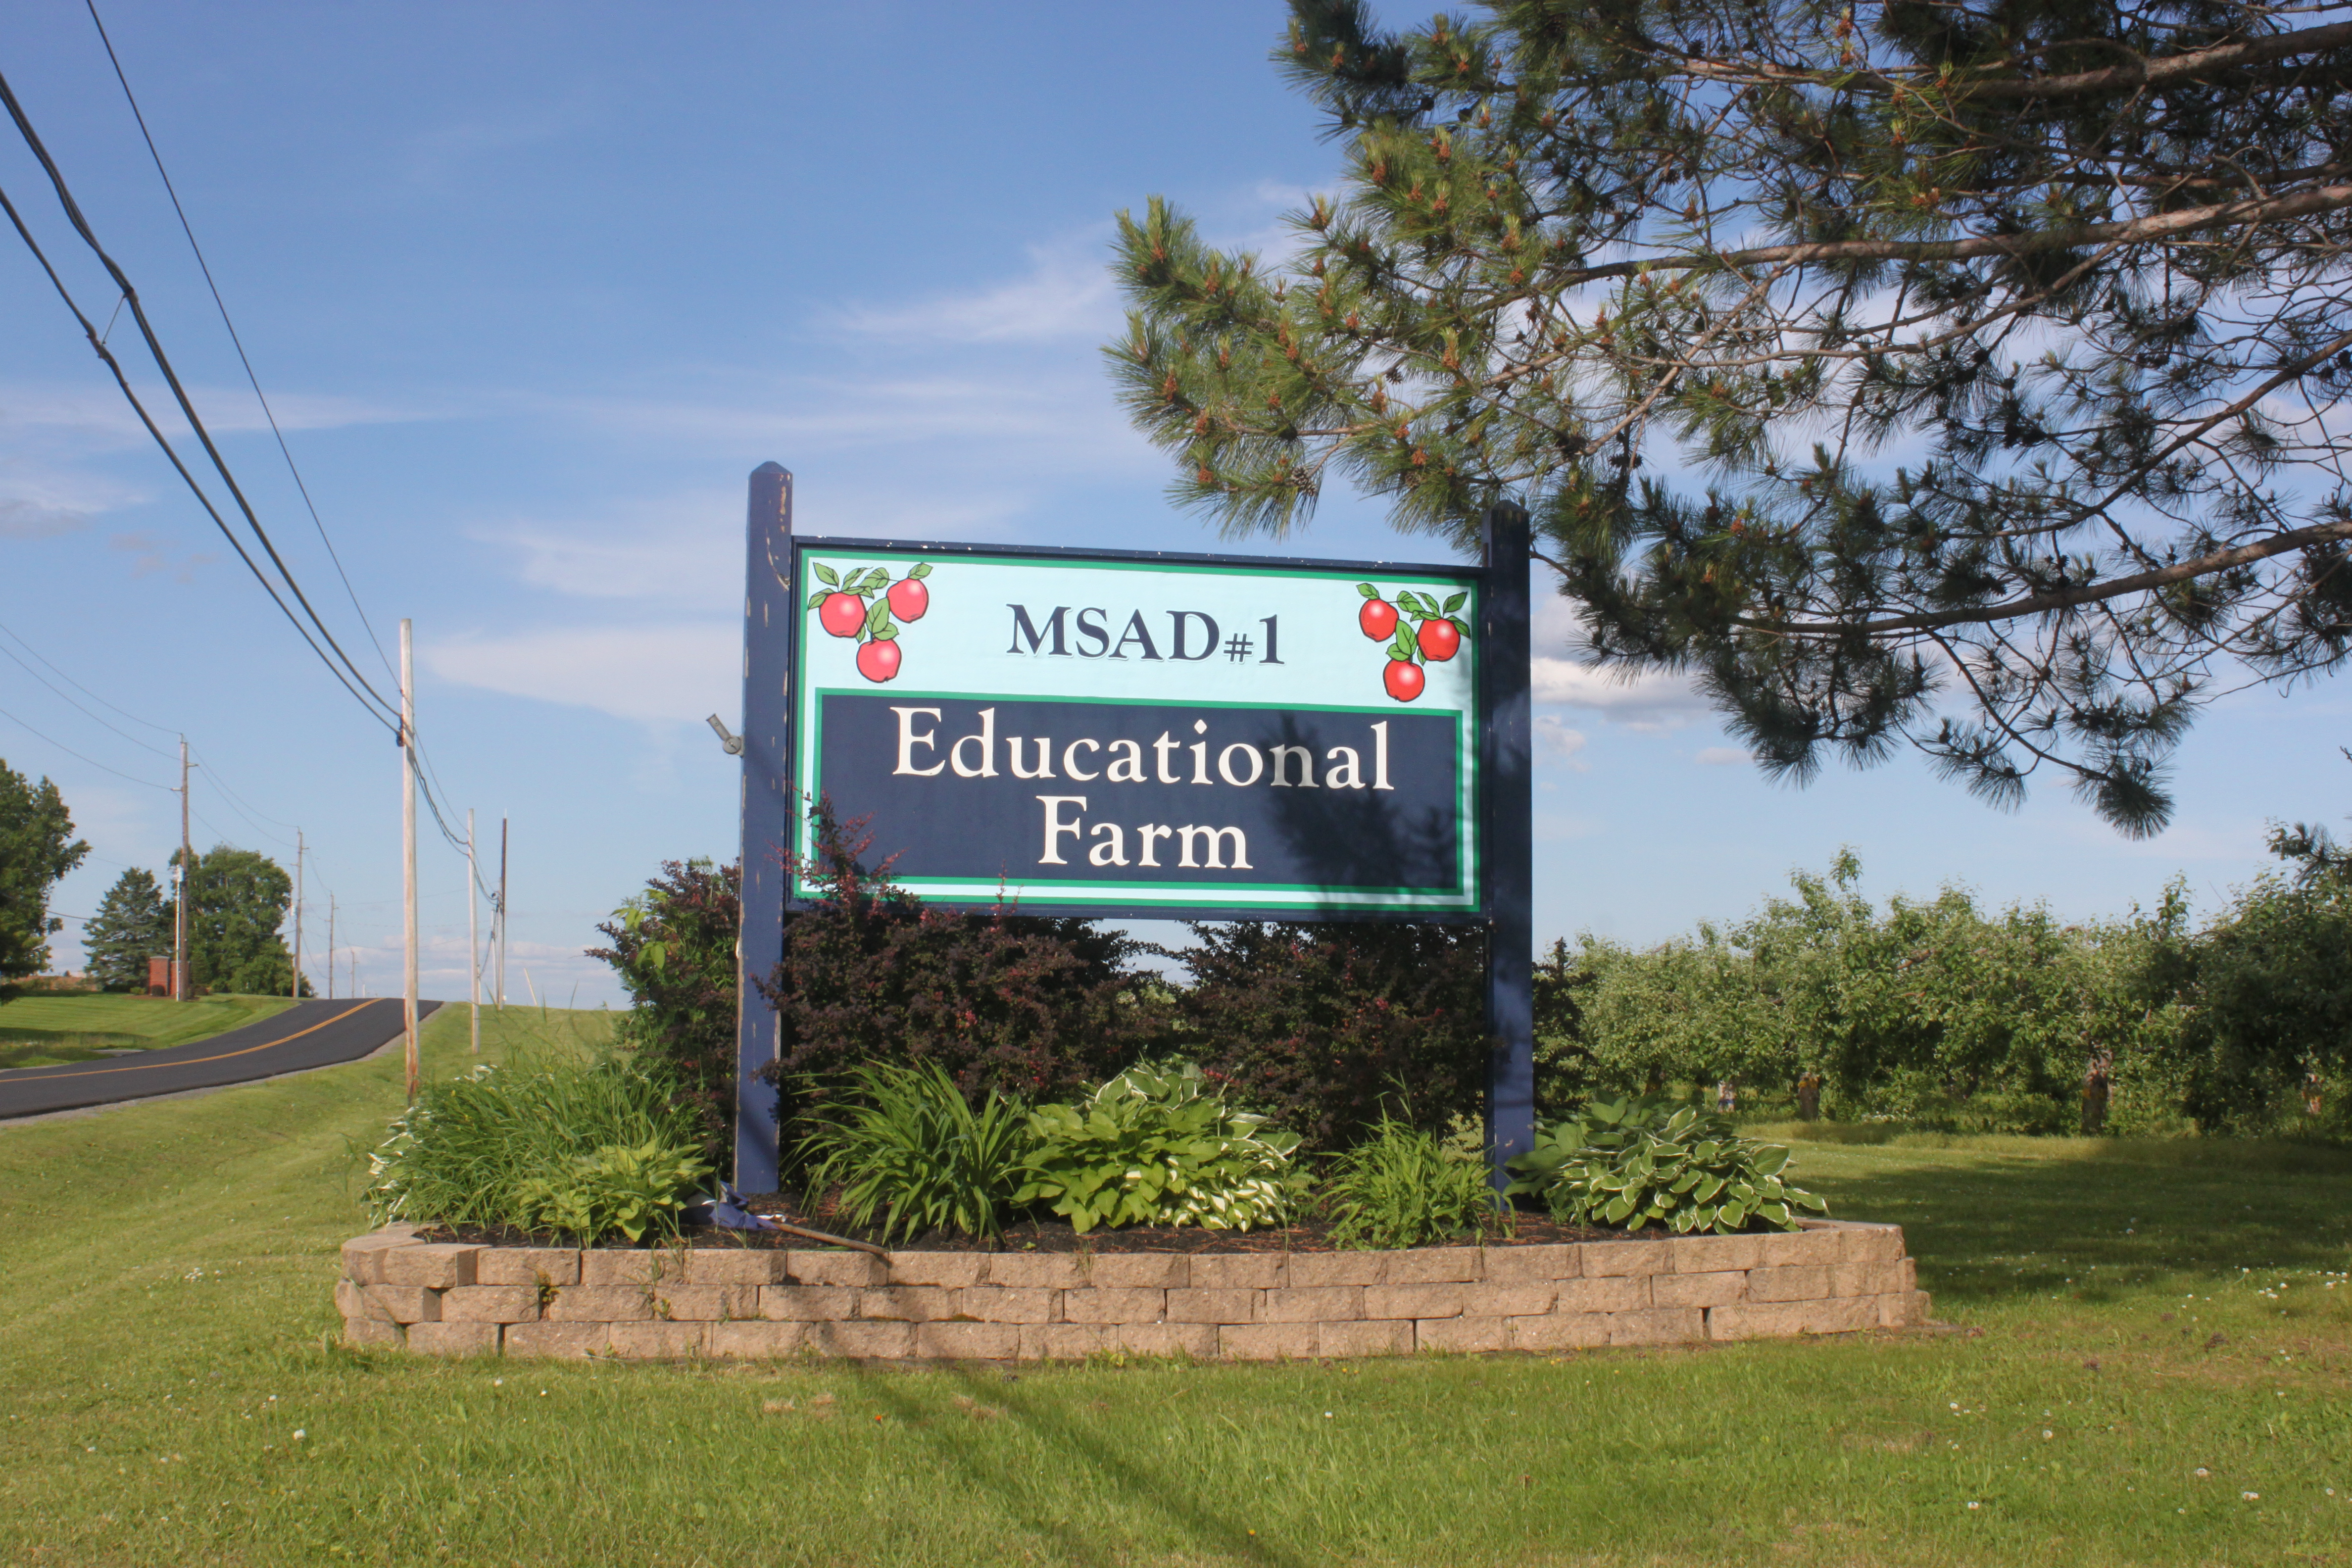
{"x": 36, "y": 847}
{"x": 132, "y": 925}
{"x": 1963, "y": 375}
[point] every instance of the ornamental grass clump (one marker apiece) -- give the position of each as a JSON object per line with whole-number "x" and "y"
{"x": 1633, "y": 1162}
{"x": 911, "y": 1155}
{"x": 1157, "y": 1146}
{"x": 583, "y": 1144}
{"x": 1405, "y": 1187}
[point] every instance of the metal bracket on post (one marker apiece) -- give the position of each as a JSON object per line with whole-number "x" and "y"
{"x": 768, "y": 620}
{"x": 1507, "y": 841}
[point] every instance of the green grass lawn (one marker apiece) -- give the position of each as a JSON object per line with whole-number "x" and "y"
{"x": 2124, "y": 1317}
{"x": 43, "y": 1030}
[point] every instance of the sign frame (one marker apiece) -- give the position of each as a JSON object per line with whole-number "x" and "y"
{"x": 1499, "y": 819}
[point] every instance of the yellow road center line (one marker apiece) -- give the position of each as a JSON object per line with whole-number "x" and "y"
{"x": 195, "y": 1061}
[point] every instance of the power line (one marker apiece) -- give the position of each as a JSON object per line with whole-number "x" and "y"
{"x": 126, "y": 734}
{"x": 206, "y": 267}
{"x": 86, "y": 691}
{"x": 187, "y": 408}
{"x": 93, "y": 761}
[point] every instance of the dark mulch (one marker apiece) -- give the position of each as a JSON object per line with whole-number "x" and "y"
{"x": 1041, "y": 1236}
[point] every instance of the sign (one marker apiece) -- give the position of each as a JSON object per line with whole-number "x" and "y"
{"x": 1124, "y": 734}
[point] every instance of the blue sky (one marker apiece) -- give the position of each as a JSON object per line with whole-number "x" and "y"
{"x": 533, "y": 287}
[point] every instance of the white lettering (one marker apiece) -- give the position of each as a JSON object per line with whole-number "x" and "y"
{"x": 1146, "y": 837}
{"x": 909, "y": 741}
{"x": 1216, "y": 837}
{"x": 985, "y": 740}
{"x": 1346, "y": 770}
{"x": 1225, "y": 764}
{"x": 1132, "y": 764}
{"x": 1044, "y": 757}
{"x": 1112, "y": 851}
{"x": 1070, "y": 763}
{"x": 1282, "y": 755}
{"x": 1055, "y": 826}
{"x": 1381, "y": 755}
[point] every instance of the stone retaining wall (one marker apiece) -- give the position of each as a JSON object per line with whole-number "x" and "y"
{"x": 1834, "y": 1276}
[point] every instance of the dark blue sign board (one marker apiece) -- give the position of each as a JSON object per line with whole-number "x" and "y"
{"x": 1132, "y": 735}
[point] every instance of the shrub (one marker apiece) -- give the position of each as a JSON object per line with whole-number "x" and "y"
{"x": 1404, "y": 1187}
{"x": 1633, "y": 1162}
{"x": 1156, "y": 1146}
{"x": 476, "y": 1150}
{"x": 1005, "y": 1004}
{"x": 630, "y": 1191}
{"x": 674, "y": 946}
{"x": 913, "y": 1152}
{"x": 1312, "y": 1024}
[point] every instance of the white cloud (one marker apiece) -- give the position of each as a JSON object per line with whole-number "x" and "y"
{"x": 152, "y": 552}
{"x": 1648, "y": 702}
{"x": 21, "y": 519}
{"x": 1722, "y": 756}
{"x": 1066, "y": 293}
{"x": 655, "y": 674}
{"x": 1554, "y": 738}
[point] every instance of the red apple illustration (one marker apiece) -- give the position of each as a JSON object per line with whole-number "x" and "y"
{"x": 1439, "y": 640}
{"x": 841, "y": 614}
{"x": 909, "y": 599}
{"x": 1404, "y": 679}
{"x": 878, "y": 661}
{"x": 1379, "y": 619}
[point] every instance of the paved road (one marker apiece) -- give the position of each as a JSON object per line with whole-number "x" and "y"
{"x": 307, "y": 1034}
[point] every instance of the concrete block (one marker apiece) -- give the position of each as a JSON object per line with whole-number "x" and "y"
{"x": 1009, "y": 1304}
{"x": 1237, "y": 1271}
{"x": 1796, "y": 1283}
{"x": 1388, "y": 1336}
{"x": 880, "y": 1340}
{"x": 1904, "y": 1310}
{"x": 1716, "y": 1254}
{"x": 807, "y": 1303}
{"x": 599, "y": 1304}
{"x": 967, "y": 1341}
{"x": 1864, "y": 1278}
{"x": 1318, "y": 1270}
{"x": 907, "y": 1303}
{"x": 1035, "y": 1270}
{"x": 1604, "y": 1293}
{"x": 565, "y": 1340}
{"x": 1509, "y": 1301}
{"x": 737, "y": 1266}
{"x": 438, "y": 1265}
{"x": 841, "y": 1268}
{"x": 948, "y": 1270}
{"x": 1139, "y": 1271}
{"x": 351, "y": 1299}
{"x": 374, "y": 1335}
{"x": 1213, "y": 1306}
{"x": 1804, "y": 1248}
{"x": 1433, "y": 1265}
{"x": 1197, "y": 1341}
{"x": 706, "y": 1303}
{"x": 1266, "y": 1341}
{"x": 1627, "y": 1259}
{"x": 1697, "y": 1289}
{"x": 1462, "y": 1334}
{"x": 1657, "y": 1326}
{"x": 654, "y": 1340}
{"x": 1413, "y": 1300}
{"x": 1533, "y": 1265}
{"x": 362, "y": 1256}
{"x": 1559, "y": 1331}
{"x": 1061, "y": 1342}
{"x": 1324, "y": 1304}
{"x": 402, "y": 1303}
{"x": 625, "y": 1265}
{"x": 527, "y": 1265}
{"x": 1866, "y": 1243}
{"x": 753, "y": 1341}
{"x": 453, "y": 1339}
{"x": 1766, "y": 1320}
{"x": 1112, "y": 1305}
{"x": 490, "y": 1304}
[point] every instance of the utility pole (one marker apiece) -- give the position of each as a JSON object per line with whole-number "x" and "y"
{"x": 503, "y": 915}
{"x": 472, "y": 936}
{"x": 297, "y": 914}
{"x": 408, "y": 849}
{"x": 331, "y": 947}
{"x": 180, "y": 890}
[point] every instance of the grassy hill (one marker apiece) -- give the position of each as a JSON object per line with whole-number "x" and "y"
{"x": 41, "y": 1030}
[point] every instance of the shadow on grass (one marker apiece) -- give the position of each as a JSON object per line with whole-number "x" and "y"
{"x": 2016, "y": 1217}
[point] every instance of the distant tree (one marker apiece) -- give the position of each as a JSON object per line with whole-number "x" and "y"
{"x": 36, "y": 847}
{"x": 1967, "y": 375}
{"x": 237, "y": 899}
{"x": 132, "y": 925}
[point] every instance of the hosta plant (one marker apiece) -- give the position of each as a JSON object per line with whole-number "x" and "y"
{"x": 1635, "y": 1163}
{"x": 1156, "y": 1146}
{"x": 617, "y": 1188}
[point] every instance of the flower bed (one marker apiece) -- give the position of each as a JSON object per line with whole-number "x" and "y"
{"x": 463, "y": 1299}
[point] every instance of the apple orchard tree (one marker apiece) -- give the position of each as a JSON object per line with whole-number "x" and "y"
{"x": 1962, "y": 374}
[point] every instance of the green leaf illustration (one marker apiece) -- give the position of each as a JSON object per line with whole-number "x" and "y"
{"x": 878, "y": 617}
{"x": 1456, "y": 602}
{"x": 826, "y": 574}
{"x": 819, "y": 597}
{"x": 921, "y": 571}
{"x": 1367, "y": 590}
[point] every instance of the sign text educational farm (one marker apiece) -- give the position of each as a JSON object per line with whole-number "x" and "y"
{"x": 1112, "y": 734}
